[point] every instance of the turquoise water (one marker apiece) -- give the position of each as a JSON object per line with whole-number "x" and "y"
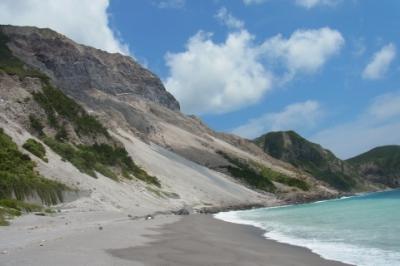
{"x": 361, "y": 230}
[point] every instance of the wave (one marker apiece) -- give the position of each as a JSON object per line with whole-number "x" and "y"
{"x": 330, "y": 250}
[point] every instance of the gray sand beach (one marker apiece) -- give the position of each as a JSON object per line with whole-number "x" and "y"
{"x": 109, "y": 238}
{"x": 202, "y": 240}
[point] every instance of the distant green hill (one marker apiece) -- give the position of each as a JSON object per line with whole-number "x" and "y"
{"x": 381, "y": 165}
{"x": 310, "y": 157}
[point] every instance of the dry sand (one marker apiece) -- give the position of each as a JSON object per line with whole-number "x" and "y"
{"x": 76, "y": 239}
{"x": 199, "y": 240}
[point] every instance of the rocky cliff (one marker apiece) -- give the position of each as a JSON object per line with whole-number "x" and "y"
{"x": 112, "y": 132}
{"x": 79, "y": 69}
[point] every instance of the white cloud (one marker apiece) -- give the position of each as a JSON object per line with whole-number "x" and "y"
{"x": 313, "y": 3}
{"x": 214, "y": 77}
{"x": 385, "y": 106}
{"x": 378, "y": 125}
{"x": 84, "y": 21}
{"x": 380, "y": 62}
{"x": 170, "y": 3}
{"x": 217, "y": 77}
{"x": 296, "y": 116}
{"x": 228, "y": 19}
{"x": 305, "y": 50}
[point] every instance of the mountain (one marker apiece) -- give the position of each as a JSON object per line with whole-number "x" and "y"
{"x": 111, "y": 137}
{"x": 312, "y": 158}
{"x": 106, "y": 128}
{"x": 80, "y": 70}
{"x": 381, "y": 165}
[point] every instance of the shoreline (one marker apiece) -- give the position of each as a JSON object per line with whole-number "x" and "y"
{"x": 94, "y": 236}
{"x": 197, "y": 240}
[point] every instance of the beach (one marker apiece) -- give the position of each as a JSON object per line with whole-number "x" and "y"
{"x": 202, "y": 240}
{"x": 103, "y": 238}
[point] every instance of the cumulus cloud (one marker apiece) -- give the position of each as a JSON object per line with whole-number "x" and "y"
{"x": 226, "y": 18}
{"x": 305, "y": 50}
{"x": 313, "y": 3}
{"x": 380, "y": 62}
{"x": 303, "y": 115}
{"x": 217, "y": 77}
{"x": 379, "y": 124}
{"x": 84, "y": 21}
{"x": 212, "y": 77}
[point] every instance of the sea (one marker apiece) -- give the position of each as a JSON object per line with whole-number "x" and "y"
{"x": 362, "y": 230}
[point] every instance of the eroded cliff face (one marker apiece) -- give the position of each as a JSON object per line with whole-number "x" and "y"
{"x": 79, "y": 69}
{"x": 133, "y": 104}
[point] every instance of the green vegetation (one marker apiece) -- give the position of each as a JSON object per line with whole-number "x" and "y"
{"x": 312, "y": 158}
{"x": 102, "y": 158}
{"x": 260, "y": 176}
{"x": 58, "y": 106}
{"x": 283, "y": 179}
{"x": 20, "y": 205}
{"x": 36, "y": 148}
{"x": 36, "y": 125}
{"x": 163, "y": 194}
{"x": 61, "y": 110}
{"x": 381, "y": 163}
{"x": 19, "y": 179}
{"x": 247, "y": 174}
{"x": 12, "y": 207}
{"x": 387, "y": 158}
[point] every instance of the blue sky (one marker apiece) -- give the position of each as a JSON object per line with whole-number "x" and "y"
{"x": 328, "y": 69}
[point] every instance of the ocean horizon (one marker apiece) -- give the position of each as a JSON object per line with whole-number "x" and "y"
{"x": 361, "y": 230}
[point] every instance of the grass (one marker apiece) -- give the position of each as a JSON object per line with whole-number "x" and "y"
{"x": 102, "y": 158}
{"x": 36, "y": 148}
{"x": 284, "y": 179}
{"x": 10, "y": 208}
{"x": 247, "y": 174}
{"x": 20, "y": 205}
{"x": 60, "y": 107}
{"x": 4, "y": 214}
{"x": 18, "y": 178}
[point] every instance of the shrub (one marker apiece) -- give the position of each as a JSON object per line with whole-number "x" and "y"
{"x": 36, "y": 148}
{"x": 283, "y": 179}
{"x": 12, "y": 207}
{"x": 19, "y": 179}
{"x": 103, "y": 158}
{"x": 36, "y": 125}
{"x": 248, "y": 174}
{"x": 20, "y": 205}
{"x": 58, "y": 106}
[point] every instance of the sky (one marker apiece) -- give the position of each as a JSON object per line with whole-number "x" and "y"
{"x": 328, "y": 69}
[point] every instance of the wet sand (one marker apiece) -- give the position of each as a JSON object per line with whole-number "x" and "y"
{"x": 201, "y": 240}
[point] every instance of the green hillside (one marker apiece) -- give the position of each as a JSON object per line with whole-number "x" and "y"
{"x": 310, "y": 157}
{"x": 380, "y": 164}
